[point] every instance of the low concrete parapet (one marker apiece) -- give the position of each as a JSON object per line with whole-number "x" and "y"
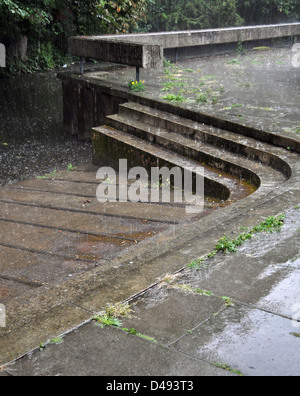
{"x": 117, "y": 50}
{"x": 147, "y": 50}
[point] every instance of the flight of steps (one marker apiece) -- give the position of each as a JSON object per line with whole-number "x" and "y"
{"x": 235, "y": 165}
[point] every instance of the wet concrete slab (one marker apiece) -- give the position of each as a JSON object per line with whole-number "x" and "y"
{"x": 81, "y": 197}
{"x": 58, "y": 319}
{"x": 238, "y": 88}
{"x": 254, "y": 342}
{"x": 166, "y": 314}
{"x": 262, "y": 280}
{"x": 38, "y": 268}
{"x": 10, "y": 289}
{"x": 79, "y": 222}
{"x": 92, "y": 351}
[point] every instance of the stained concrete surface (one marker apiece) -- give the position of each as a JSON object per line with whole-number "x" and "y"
{"x": 69, "y": 285}
{"x": 259, "y": 89}
{"x": 256, "y": 333}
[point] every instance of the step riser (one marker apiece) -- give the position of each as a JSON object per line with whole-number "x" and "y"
{"x": 229, "y": 145}
{"x": 197, "y": 155}
{"x": 108, "y": 150}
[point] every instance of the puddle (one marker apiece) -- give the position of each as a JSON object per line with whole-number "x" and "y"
{"x": 254, "y": 342}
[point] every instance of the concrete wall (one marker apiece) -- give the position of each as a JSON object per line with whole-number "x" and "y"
{"x": 85, "y": 106}
{"x": 146, "y": 50}
{"x": 116, "y": 50}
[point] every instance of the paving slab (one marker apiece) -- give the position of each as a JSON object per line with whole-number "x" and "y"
{"x": 265, "y": 272}
{"x": 35, "y": 331}
{"x": 254, "y": 342}
{"x": 93, "y": 351}
{"x": 167, "y": 314}
{"x": 65, "y": 196}
{"x": 79, "y": 222}
{"x": 10, "y": 289}
{"x": 55, "y": 241}
{"x": 38, "y": 268}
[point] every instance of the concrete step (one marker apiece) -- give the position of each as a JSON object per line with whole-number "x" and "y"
{"x": 50, "y": 195}
{"x": 251, "y": 171}
{"x": 78, "y": 222}
{"x": 267, "y": 154}
{"x": 108, "y": 141}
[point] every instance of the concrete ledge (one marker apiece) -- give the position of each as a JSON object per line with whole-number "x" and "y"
{"x": 147, "y": 50}
{"x": 211, "y": 36}
{"x": 77, "y": 87}
{"x": 117, "y": 50}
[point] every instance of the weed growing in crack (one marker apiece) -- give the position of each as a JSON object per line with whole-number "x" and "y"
{"x": 188, "y": 289}
{"x": 203, "y": 98}
{"x": 229, "y": 245}
{"x": 113, "y": 315}
{"x": 228, "y": 368}
{"x": 174, "y": 98}
{"x": 51, "y": 175}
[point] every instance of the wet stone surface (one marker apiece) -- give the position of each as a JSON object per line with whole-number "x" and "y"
{"x": 199, "y": 320}
{"x": 260, "y": 88}
{"x": 239, "y": 311}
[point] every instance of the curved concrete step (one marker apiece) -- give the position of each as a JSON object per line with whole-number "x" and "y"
{"x": 109, "y": 145}
{"x": 267, "y": 154}
{"x": 254, "y": 172}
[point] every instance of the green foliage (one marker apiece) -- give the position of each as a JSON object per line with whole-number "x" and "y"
{"x": 203, "y": 98}
{"x": 112, "y": 315}
{"x": 228, "y": 245}
{"x": 257, "y": 12}
{"x": 47, "y": 24}
{"x": 136, "y": 86}
{"x": 120, "y": 16}
{"x": 71, "y": 168}
{"x": 105, "y": 320}
{"x": 174, "y": 98}
{"x": 228, "y": 368}
{"x": 166, "y": 15}
{"x": 57, "y": 341}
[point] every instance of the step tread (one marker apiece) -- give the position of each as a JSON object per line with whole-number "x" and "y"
{"x": 231, "y": 182}
{"x": 263, "y": 171}
{"x": 205, "y": 128}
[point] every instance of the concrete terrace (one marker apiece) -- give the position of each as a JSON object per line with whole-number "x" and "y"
{"x": 147, "y": 50}
{"x": 72, "y": 256}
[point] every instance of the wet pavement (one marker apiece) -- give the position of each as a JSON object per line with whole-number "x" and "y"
{"x": 239, "y": 315}
{"x": 260, "y": 88}
{"x": 54, "y": 229}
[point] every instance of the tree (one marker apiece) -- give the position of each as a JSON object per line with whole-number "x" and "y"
{"x": 256, "y": 12}
{"x": 166, "y": 15}
{"x": 47, "y": 25}
{"x": 20, "y": 18}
